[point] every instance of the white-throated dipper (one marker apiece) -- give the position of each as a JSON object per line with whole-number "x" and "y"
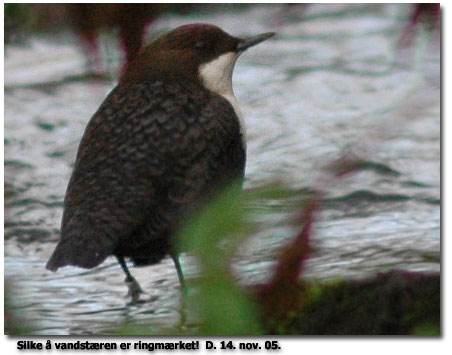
{"x": 168, "y": 134}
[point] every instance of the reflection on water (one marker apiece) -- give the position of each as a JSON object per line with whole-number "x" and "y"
{"x": 328, "y": 84}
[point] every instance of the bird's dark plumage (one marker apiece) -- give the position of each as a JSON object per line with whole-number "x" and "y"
{"x": 163, "y": 140}
{"x": 141, "y": 163}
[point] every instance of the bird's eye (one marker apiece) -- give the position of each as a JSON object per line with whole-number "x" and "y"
{"x": 199, "y": 44}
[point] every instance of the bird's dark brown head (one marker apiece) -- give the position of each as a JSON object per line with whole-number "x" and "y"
{"x": 188, "y": 50}
{"x": 198, "y": 40}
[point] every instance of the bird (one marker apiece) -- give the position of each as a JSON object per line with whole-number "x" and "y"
{"x": 166, "y": 137}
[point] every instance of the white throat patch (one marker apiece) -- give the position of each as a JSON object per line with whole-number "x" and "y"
{"x": 216, "y": 76}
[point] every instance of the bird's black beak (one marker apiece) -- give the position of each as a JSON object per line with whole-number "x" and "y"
{"x": 246, "y": 43}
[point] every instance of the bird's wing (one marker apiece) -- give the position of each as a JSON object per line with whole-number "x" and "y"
{"x": 146, "y": 142}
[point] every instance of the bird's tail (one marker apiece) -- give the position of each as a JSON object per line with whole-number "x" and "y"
{"x": 66, "y": 253}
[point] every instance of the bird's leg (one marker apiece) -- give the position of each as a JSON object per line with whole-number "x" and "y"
{"x": 183, "y": 287}
{"x": 132, "y": 284}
